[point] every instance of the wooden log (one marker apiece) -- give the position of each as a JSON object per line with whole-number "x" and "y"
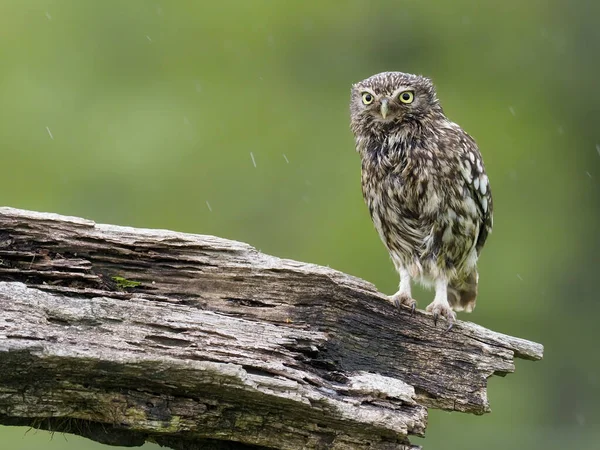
{"x": 128, "y": 335}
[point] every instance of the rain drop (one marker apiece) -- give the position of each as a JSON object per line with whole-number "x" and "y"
{"x": 253, "y": 160}
{"x": 288, "y": 161}
{"x": 49, "y": 133}
{"x": 512, "y": 110}
{"x": 208, "y": 205}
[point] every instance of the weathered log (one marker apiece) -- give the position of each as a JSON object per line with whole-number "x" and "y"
{"x": 129, "y": 335}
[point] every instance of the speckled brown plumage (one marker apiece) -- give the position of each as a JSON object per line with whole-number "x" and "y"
{"x": 424, "y": 182}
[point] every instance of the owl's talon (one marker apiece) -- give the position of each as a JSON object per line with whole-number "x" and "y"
{"x": 438, "y": 310}
{"x": 400, "y": 300}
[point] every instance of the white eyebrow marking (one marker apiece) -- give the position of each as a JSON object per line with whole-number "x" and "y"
{"x": 402, "y": 89}
{"x": 362, "y": 90}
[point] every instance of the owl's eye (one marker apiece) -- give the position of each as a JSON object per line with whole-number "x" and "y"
{"x": 367, "y": 98}
{"x": 406, "y": 97}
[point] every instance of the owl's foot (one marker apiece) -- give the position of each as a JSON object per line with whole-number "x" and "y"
{"x": 402, "y": 299}
{"x": 439, "y": 309}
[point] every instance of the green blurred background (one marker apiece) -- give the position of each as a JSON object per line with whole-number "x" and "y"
{"x": 149, "y": 113}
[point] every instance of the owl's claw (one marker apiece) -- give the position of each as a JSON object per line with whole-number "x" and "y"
{"x": 438, "y": 310}
{"x": 400, "y": 300}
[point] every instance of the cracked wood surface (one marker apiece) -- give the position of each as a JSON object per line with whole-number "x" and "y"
{"x": 219, "y": 345}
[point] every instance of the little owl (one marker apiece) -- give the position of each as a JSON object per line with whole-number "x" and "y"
{"x": 424, "y": 182}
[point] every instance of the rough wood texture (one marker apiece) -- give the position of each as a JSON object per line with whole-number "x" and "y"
{"x": 218, "y": 346}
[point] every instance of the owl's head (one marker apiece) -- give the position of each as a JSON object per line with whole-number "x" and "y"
{"x": 393, "y": 98}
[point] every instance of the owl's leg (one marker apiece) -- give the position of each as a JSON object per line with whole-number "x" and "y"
{"x": 440, "y": 306}
{"x": 403, "y": 297}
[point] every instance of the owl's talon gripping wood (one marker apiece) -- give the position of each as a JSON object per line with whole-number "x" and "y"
{"x": 400, "y": 299}
{"x": 439, "y": 309}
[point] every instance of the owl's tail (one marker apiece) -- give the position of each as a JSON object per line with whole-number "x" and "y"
{"x": 462, "y": 293}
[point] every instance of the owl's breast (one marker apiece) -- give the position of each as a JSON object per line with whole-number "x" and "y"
{"x": 394, "y": 212}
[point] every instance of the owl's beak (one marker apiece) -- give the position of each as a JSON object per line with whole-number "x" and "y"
{"x": 385, "y": 107}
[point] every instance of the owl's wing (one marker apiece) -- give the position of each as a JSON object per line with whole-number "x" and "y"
{"x": 478, "y": 185}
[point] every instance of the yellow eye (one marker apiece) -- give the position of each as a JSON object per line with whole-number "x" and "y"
{"x": 367, "y": 98}
{"x": 406, "y": 97}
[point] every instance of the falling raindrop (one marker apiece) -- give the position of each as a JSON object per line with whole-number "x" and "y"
{"x": 149, "y": 39}
{"x": 286, "y": 158}
{"x": 598, "y": 149}
{"x": 512, "y": 110}
{"x": 253, "y": 160}
{"x": 208, "y": 205}
{"x": 519, "y": 277}
{"x": 49, "y": 133}
{"x": 48, "y": 16}
{"x": 588, "y": 174}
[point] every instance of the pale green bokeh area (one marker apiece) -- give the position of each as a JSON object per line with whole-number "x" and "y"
{"x": 155, "y": 108}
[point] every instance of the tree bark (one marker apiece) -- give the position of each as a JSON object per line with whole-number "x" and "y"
{"x": 130, "y": 335}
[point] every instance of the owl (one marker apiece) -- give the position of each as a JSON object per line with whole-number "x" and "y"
{"x": 426, "y": 188}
